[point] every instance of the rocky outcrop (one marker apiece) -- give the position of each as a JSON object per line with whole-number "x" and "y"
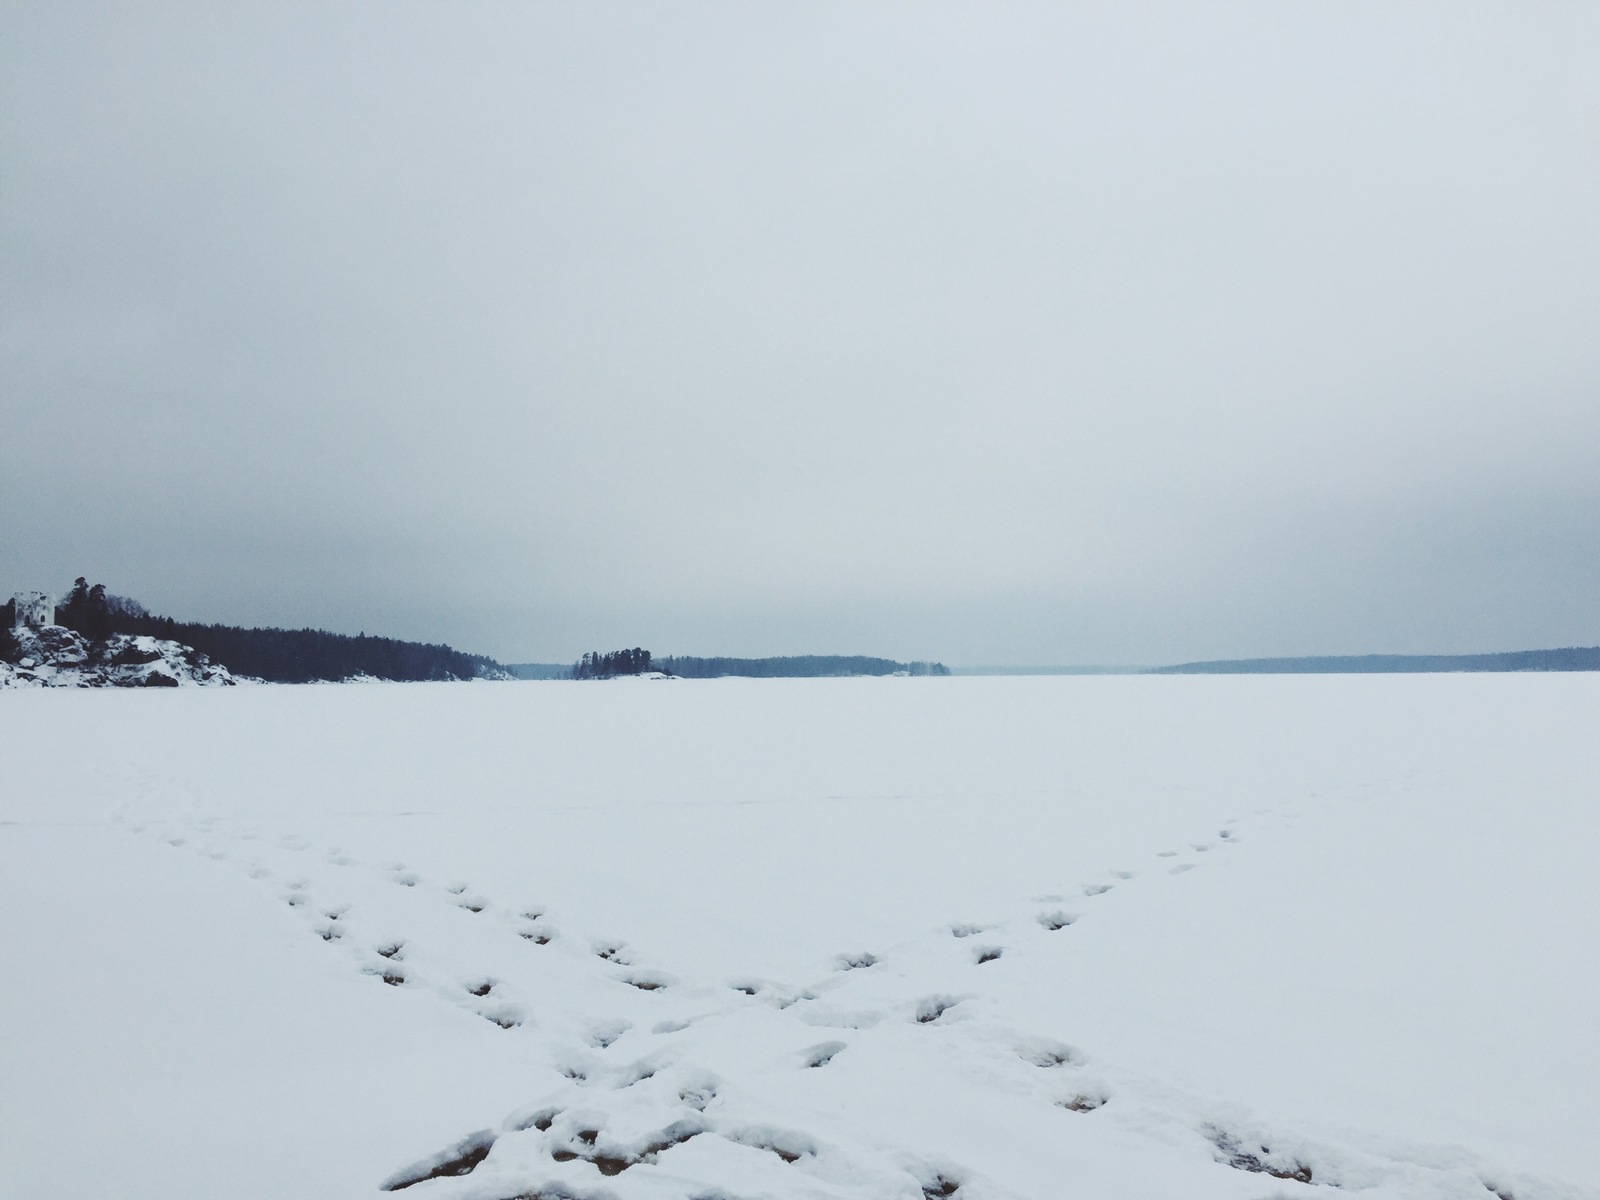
{"x": 54, "y": 656}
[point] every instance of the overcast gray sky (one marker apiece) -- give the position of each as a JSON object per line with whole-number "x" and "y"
{"x": 981, "y": 332}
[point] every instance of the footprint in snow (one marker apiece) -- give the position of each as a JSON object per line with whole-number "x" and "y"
{"x": 646, "y": 981}
{"x": 938, "y": 1184}
{"x": 604, "y": 1033}
{"x": 1083, "y": 1102}
{"x": 821, "y": 1054}
{"x": 930, "y": 1009}
{"x": 1042, "y": 1052}
{"x": 460, "y": 1159}
{"x": 1097, "y": 889}
{"x": 1181, "y": 868}
{"x": 855, "y": 962}
{"x": 507, "y": 1016}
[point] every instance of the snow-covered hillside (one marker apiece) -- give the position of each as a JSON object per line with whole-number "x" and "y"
{"x": 1104, "y": 937}
{"x": 53, "y": 656}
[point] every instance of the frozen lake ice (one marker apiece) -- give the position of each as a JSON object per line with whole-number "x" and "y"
{"x": 986, "y": 937}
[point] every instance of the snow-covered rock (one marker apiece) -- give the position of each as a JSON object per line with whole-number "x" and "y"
{"x": 54, "y": 656}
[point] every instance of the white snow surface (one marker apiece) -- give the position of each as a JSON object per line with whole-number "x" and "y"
{"x": 989, "y": 938}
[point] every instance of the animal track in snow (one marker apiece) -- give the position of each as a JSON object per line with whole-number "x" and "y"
{"x": 1181, "y": 868}
{"x": 964, "y": 931}
{"x": 1097, "y": 889}
{"x": 986, "y": 954}
{"x": 1056, "y": 920}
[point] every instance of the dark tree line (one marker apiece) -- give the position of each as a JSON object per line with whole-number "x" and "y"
{"x": 9, "y": 650}
{"x": 1569, "y": 658}
{"x": 595, "y": 665}
{"x": 87, "y": 610}
{"x": 798, "y": 666}
{"x": 275, "y": 655}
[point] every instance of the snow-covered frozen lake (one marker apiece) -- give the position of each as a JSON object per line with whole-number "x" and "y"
{"x": 983, "y": 937}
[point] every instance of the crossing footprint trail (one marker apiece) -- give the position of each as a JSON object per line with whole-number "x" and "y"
{"x": 663, "y": 1086}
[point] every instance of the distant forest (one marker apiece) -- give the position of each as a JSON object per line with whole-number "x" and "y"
{"x": 596, "y": 665}
{"x": 1571, "y": 658}
{"x": 799, "y": 666}
{"x": 275, "y": 655}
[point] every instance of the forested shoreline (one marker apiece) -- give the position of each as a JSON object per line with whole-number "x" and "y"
{"x": 269, "y": 653}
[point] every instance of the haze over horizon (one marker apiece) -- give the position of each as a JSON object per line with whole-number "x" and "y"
{"x": 1015, "y": 334}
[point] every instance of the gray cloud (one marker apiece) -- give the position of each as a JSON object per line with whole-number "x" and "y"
{"x": 989, "y": 333}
